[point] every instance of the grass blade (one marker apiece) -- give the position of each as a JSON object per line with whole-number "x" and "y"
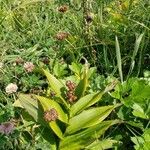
{"x": 136, "y": 48}
{"x": 119, "y": 63}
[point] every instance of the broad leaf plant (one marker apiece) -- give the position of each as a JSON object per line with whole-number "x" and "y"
{"x": 70, "y": 116}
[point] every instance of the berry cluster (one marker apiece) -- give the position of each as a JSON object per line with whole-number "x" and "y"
{"x": 71, "y": 91}
{"x": 50, "y": 115}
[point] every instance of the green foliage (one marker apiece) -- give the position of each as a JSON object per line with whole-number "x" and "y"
{"x": 79, "y": 130}
{"x": 112, "y": 36}
{"x": 134, "y": 93}
{"x": 142, "y": 142}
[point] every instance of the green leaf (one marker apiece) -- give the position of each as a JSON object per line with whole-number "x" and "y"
{"x": 85, "y": 102}
{"x": 32, "y": 106}
{"x": 136, "y": 48}
{"x": 140, "y": 90}
{"x": 17, "y": 104}
{"x": 135, "y": 124}
{"x": 48, "y": 104}
{"x": 142, "y": 142}
{"x": 139, "y": 112}
{"x": 89, "y": 118}
{"x": 56, "y": 86}
{"x": 59, "y": 69}
{"x": 76, "y": 68}
{"x": 54, "y": 126}
{"x": 48, "y": 135}
{"x": 84, "y": 138}
{"x": 81, "y": 87}
{"x": 101, "y": 145}
{"x": 91, "y": 71}
{"x": 119, "y": 62}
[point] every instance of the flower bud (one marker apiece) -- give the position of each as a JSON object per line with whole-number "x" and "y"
{"x": 50, "y": 115}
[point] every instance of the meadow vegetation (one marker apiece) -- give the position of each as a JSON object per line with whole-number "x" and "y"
{"x": 75, "y": 74}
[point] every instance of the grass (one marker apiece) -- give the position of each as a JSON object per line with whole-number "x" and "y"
{"x": 33, "y": 23}
{"x": 112, "y": 36}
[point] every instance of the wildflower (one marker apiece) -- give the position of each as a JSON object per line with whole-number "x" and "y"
{"x": 61, "y": 36}
{"x": 11, "y": 88}
{"x": 6, "y": 128}
{"x": 50, "y": 115}
{"x": 63, "y": 8}
{"x": 29, "y": 66}
{"x": 19, "y": 60}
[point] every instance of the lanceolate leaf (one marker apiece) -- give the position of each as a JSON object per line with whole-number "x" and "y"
{"x": 31, "y": 105}
{"x": 56, "y": 129}
{"x": 102, "y": 145}
{"x": 84, "y": 138}
{"x": 56, "y": 85}
{"x": 48, "y": 104}
{"x": 48, "y": 135}
{"x": 81, "y": 87}
{"x": 89, "y": 118}
{"x": 85, "y": 102}
{"x": 119, "y": 61}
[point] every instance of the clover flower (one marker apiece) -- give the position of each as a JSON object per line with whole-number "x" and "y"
{"x": 29, "y": 66}
{"x": 6, "y": 128}
{"x": 11, "y": 88}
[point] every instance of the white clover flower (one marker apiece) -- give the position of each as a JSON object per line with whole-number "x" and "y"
{"x": 29, "y": 66}
{"x": 11, "y": 88}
